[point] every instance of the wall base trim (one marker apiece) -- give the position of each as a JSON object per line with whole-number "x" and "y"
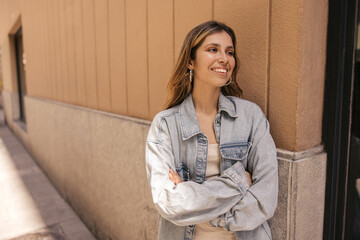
{"x": 295, "y": 156}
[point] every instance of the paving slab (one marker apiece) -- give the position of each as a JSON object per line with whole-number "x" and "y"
{"x": 30, "y": 206}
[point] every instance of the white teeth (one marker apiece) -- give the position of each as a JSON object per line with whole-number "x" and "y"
{"x": 220, "y": 70}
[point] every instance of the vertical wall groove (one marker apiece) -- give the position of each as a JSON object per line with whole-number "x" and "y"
{"x": 102, "y": 54}
{"x": 213, "y": 10}
{"x": 66, "y": 57}
{"x": 137, "y": 64}
{"x": 126, "y": 65}
{"x": 74, "y": 74}
{"x": 108, "y": 43}
{"x": 268, "y": 63}
{"x": 71, "y": 51}
{"x": 95, "y": 48}
{"x": 49, "y": 53}
{"x": 173, "y": 40}
{"x": 58, "y": 40}
{"x": 45, "y": 60}
{"x": 63, "y": 51}
{"x": 147, "y": 59}
{"x": 83, "y": 52}
{"x": 77, "y": 13}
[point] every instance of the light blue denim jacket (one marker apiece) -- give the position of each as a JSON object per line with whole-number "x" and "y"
{"x": 175, "y": 141}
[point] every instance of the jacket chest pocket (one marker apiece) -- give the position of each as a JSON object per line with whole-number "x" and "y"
{"x": 234, "y": 152}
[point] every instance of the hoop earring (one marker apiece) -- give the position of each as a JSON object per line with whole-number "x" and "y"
{"x": 191, "y": 75}
{"x": 228, "y": 82}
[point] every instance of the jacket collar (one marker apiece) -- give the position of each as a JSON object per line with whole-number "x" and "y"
{"x": 188, "y": 121}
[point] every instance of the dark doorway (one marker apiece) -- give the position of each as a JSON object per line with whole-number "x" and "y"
{"x": 353, "y": 212}
{"x": 341, "y": 122}
{"x": 20, "y": 68}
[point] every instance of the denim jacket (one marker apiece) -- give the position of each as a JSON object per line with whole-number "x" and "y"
{"x": 175, "y": 141}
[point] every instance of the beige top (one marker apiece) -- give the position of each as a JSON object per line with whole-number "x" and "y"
{"x": 204, "y": 231}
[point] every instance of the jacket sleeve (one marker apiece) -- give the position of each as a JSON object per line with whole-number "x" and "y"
{"x": 259, "y": 202}
{"x": 188, "y": 203}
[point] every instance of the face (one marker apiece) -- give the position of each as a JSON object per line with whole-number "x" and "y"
{"x": 214, "y": 61}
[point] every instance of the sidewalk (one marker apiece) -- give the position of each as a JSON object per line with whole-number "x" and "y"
{"x": 30, "y": 207}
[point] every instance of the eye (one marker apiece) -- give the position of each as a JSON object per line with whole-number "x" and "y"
{"x": 231, "y": 53}
{"x": 212, "y": 49}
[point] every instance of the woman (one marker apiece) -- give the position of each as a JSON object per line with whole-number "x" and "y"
{"x": 201, "y": 149}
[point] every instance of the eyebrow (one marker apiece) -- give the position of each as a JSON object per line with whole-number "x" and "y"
{"x": 215, "y": 44}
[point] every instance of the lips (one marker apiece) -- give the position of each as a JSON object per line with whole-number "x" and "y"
{"x": 222, "y": 71}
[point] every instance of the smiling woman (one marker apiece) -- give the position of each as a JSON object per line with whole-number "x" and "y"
{"x": 211, "y": 161}
{"x": 180, "y": 84}
{"x": 214, "y": 61}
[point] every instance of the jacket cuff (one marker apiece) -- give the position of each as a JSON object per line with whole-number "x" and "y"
{"x": 237, "y": 174}
{"x": 220, "y": 222}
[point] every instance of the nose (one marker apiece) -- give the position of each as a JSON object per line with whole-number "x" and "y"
{"x": 223, "y": 58}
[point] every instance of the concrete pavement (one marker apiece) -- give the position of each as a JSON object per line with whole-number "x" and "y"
{"x": 30, "y": 207}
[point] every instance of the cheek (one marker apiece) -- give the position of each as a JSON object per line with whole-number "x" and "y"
{"x": 232, "y": 64}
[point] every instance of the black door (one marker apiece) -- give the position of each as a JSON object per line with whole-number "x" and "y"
{"x": 20, "y": 67}
{"x": 341, "y": 122}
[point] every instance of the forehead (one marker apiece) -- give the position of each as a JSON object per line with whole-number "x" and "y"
{"x": 220, "y": 38}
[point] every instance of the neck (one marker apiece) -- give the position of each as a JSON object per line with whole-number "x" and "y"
{"x": 206, "y": 100}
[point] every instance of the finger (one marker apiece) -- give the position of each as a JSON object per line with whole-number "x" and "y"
{"x": 178, "y": 178}
{"x": 174, "y": 181}
{"x": 174, "y": 174}
{"x": 173, "y": 178}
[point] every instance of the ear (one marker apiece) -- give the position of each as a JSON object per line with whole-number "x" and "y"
{"x": 191, "y": 64}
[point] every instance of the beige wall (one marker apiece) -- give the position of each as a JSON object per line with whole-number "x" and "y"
{"x": 117, "y": 55}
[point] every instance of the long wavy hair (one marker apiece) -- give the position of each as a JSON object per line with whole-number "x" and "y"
{"x": 179, "y": 85}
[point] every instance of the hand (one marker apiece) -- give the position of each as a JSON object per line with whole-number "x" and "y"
{"x": 249, "y": 178}
{"x": 174, "y": 176}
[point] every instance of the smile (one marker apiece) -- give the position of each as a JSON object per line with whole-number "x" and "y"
{"x": 219, "y": 70}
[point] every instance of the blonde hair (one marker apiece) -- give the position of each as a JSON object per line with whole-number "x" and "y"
{"x": 179, "y": 85}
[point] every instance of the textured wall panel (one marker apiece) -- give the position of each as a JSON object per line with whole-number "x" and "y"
{"x": 187, "y": 15}
{"x": 9, "y": 11}
{"x": 102, "y": 54}
{"x": 63, "y": 54}
{"x": 284, "y": 71}
{"x": 50, "y": 48}
{"x": 57, "y": 50}
{"x": 250, "y": 21}
{"x": 161, "y": 51}
{"x": 6, "y": 66}
{"x": 137, "y": 58}
{"x": 117, "y": 46}
{"x": 79, "y": 52}
{"x": 312, "y": 74}
{"x": 70, "y": 48}
{"x": 90, "y": 54}
{"x": 30, "y": 45}
{"x": 41, "y": 26}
